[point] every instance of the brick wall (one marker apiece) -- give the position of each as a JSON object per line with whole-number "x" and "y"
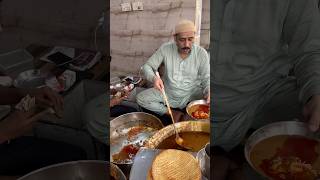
{"x": 135, "y": 35}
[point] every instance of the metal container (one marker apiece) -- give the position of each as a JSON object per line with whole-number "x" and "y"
{"x": 116, "y": 172}
{"x": 190, "y": 108}
{"x": 185, "y": 126}
{"x": 120, "y": 126}
{"x": 74, "y": 170}
{"x": 274, "y": 129}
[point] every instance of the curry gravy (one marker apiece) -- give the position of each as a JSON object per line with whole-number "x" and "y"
{"x": 267, "y": 154}
{"x": 195, "y": 140}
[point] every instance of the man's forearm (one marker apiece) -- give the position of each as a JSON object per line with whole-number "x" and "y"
{"x": 148, "y": 72}
{"x": 11, "y": 95}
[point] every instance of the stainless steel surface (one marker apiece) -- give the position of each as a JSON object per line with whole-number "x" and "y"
{"x": 196, "y": 102}
{"x": 30, "y": 79}
{"x": 116, "y": 172}
{"x": 278, "y": 128}
{"x": 120, "y": 126}
{"x": 75, "y": 170}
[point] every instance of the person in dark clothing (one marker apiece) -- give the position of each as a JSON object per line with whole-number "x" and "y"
{"x": 21, "y": 154}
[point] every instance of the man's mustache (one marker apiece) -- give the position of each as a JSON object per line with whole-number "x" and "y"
{"x": 185, "y": 48}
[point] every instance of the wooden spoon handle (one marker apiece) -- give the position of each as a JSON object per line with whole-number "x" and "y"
{"x": 168, "y": 106}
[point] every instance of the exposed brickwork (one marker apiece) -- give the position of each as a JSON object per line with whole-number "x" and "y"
{"x": 135, "y": 35}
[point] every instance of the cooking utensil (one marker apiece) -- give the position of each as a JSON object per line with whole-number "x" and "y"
{"x": 120, "y": 126}
{"x": 74, "y": 170}
{"x": 190, "y": 108}
{"x": 185, "y": 126}
{"x": 274, "y": 129}
{"x": 178, "y": 139}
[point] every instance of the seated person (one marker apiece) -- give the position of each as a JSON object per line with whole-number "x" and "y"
{"x": 96, "y": 115}
{"x": 21, "y": 154}
{"x": 186, "y": 73}
{"x": 117, "y": 109}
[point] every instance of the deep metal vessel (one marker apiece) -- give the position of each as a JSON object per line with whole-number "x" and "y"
{"x": 74, "y": 170}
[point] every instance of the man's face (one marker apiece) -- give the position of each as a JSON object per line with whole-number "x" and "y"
{"x": 184, "y": 42}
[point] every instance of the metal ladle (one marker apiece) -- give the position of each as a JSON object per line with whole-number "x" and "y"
{"x": 178, "y": 139}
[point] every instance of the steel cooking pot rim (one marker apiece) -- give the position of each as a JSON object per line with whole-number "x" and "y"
{"x": 61, "y": 164}
{"x": 138, "y": 112}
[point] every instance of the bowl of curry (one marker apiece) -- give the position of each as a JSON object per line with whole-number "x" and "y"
{"x": 199, "y": 110}
{"x": 284, "y": 150}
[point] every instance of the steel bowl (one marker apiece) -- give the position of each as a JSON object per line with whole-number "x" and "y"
{"x": 190, "y": 108}
{"x": 184, "y": 126}
{"x": 74, "y": 170}
{"x": 120, "y": 126}
{"x": 274, "y": 129}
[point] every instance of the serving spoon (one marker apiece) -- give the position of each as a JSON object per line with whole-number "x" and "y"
{"x": 178, "y": 139}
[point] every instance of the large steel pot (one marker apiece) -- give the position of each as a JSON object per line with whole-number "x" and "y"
{"x": 74, "y": 170}
{"x": 120, "y": 126}
{"x": 185, "y": 126}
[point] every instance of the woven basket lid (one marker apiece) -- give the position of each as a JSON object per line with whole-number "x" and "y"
{"x": 175, "y": 164}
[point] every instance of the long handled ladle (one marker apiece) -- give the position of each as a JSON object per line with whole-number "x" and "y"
{"x": 178, "y": 139}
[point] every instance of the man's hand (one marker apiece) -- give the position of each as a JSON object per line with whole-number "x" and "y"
{"x": 16, "y": 124}
{"x": 311, "y": 112}
{"x": 46, "y": 96}
{"x": 158, "y": 83}
{"x": 117, "y": 100}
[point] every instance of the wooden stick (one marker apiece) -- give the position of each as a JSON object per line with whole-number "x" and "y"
{"x": 168, "y": 105}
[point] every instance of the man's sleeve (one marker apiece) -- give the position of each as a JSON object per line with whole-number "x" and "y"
{"x": 302, "y": 32}
{"x": 204, "y": 71}
{"x": 153, "y": 64}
